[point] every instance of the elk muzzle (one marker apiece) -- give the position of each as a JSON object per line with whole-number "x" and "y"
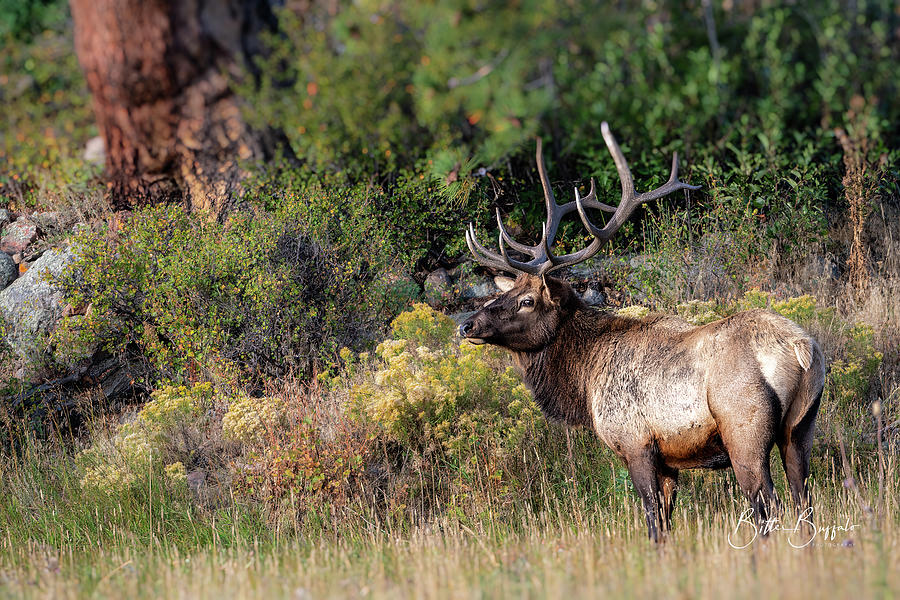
{"x": 474, "y": 329}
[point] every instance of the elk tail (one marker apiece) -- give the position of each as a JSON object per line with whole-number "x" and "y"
{"x": 803, "y": 351}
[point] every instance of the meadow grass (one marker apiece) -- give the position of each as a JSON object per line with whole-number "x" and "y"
{"x": 60, "y": 541}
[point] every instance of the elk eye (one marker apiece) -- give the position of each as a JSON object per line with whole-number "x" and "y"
{"x": 527, "y": 301}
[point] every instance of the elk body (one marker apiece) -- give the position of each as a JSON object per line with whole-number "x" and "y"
{"x": 662, "y": 394}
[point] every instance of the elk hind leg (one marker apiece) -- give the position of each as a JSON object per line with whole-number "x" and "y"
{"x": 796, "y": 447}
{"x": 748, "y": 438}
{"x": 667, "y": 481}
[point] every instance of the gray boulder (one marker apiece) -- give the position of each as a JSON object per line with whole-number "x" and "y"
{"x": 438, "y": 287}
{"x": 474, "y": 287}
{"x": 32, "y": 305}
{"x": 8, "y": 270}
{"x": 593, "y": 297}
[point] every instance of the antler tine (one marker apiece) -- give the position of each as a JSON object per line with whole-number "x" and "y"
{"x": 549, "y": 200}
{"x": 504, "y": 234}
{"x": 501, "y": 261}
{"x": 630, "y": 201}
{"x": 543, "y": 260}
{"x": 591, "y": 200}
{"x": 621, "y": 163}
{"x": 482, "y": 254}
{"x": 552, "y": 208}
{"x": 672, "y": 185}
{"x": 555, "y": 212}
{"x": 532, "y": 267}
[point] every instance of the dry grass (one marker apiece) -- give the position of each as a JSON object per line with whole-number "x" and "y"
{"x": 565, "y": 551}
{"x": 59, "y": 543}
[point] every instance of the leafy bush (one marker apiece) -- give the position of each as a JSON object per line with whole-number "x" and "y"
{"x": 851, "y": 377}
{"x": 47, "y": 109}
{"x": 752, "y": 108}
{"x": 252, "y": 296}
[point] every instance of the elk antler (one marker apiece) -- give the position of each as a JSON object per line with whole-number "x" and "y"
{"x": 542, "y": 258}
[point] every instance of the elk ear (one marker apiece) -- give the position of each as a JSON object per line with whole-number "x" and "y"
{"x": 504, "y": 283}
{"x": 546, "y": 293}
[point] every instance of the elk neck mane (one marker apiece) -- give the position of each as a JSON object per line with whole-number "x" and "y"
{"x": 558, "y": 374}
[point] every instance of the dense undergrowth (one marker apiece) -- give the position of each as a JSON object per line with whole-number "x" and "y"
{"x": 432, "y": 442}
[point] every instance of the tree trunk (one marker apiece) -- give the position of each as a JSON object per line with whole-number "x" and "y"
{"x": 158, "y": 71}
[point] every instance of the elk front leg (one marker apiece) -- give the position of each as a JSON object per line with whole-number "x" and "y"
{"x": 642, "y": 466}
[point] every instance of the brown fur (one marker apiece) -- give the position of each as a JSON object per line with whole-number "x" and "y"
{"x": 663, "y": 394}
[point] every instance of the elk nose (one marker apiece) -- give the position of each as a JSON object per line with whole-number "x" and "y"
{"x": 466, "y": 328}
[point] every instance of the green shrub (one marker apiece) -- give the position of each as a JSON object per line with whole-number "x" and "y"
{"x": 46, "y": 108}
{"x": 851, "y": 377}
{"x": 253, "y": 296}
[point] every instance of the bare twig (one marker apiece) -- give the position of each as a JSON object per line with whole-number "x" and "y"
{"x": 481, "y": 73}
{"x": 850, "y": 480}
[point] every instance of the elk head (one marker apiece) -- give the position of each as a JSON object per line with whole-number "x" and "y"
{"x": 526, "y": 317}
{"x": 528, "y": 313}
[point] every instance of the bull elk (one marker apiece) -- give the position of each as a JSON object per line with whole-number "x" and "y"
{"x": 662, "y": 394}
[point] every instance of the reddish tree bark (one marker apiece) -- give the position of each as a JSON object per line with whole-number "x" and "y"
{"x": 158, "y": 71}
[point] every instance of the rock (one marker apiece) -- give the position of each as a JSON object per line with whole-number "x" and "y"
{"x": 46, "y": 220}
{"x": 95, "y": 150}
{"x": 596, "y": 265}
{"x": 592, "y": 297}
{"x": 32, "y": 305}
{"x": 472, "y": 287}
{"x": 439, "y": 277}
{"x": 5, "y": 217}
{"x": 17, "y": 235}
{"x": 8, "y": 270}
{"x": 438, "y": 287}
{"x": 639, "y": 261}
{"x": 196, "y": 479}
{"x": 817, "y": 268}
{"x": 17, "y": 257}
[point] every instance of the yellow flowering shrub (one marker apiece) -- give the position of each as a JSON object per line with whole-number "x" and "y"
{"x": 755, "y": 298}
{"x": 801, "y": 309}
{"x": 431, "y": 393}
{"x": 173, "y": 406}
{"x": 176, "y": 474}
{"x": 850, "y": 378}
{"x": 116, "y": 463}
{"x": 249, "y": 419}
{"x": 698, "y": 312}
{"x": 633, "y": 312}
{"x": 424, "y": 326}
